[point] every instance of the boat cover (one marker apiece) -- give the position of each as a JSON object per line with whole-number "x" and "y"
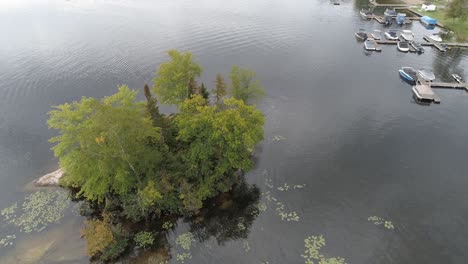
{"x": 429, "y": 20}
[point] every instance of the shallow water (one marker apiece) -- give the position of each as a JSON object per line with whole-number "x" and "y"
{"x": 339, "y": 120}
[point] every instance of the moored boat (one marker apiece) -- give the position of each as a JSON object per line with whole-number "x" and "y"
{"x": 391, "y": 35}
{"x": 370, "y": 44}
{"x": 361, "y": 34}
{"x": 409, "y": 74}
{"x": 428, "y": 21}
{"x": 377, "y": 34}
{"x": 417, "y": 46}
{"x": 426, "y": 75}
{"x": 366, "y": 13}
{"x": 403, "y": 46}
{"x": 457, "y": 78}
{"x": 407, "y": 35}
{"x": 435, "y": 37}
{"x": 401, "y": 18}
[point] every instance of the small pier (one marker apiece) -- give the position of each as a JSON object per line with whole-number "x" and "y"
{"x": 449, "y": 85}
{"x": 424, "y": 89}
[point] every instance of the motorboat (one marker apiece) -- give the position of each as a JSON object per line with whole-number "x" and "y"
{"x": 361, "y": 35}
{"x": 370, "y": 44}
{"x": 407, "y": 35}
{"x": 403, "y": 46}
{"x": 457, "y": 78}
{"x": 390, "y": 12}
{"x": 409, "y": 74}
{"x": 417, "y": 46}
{"x": 433, "y": 37}
{"x": 388, "y": 20}
{"x": 377, "y": 34}
{"x": 401, "y": 19}
{"x": 428, "y": 21}
{"x": 426, "y": 75}
{"x": 366, "y": 13}
{"x": 391, "y": 35}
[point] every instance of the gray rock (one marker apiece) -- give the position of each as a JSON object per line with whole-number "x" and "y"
{"x": 51, "y": 179}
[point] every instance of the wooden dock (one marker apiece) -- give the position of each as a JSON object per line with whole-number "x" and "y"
{"x": 372, "y": 2}
{"x": 449, "y": 85}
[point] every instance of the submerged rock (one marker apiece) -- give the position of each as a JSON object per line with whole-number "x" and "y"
{"x": 51, "y": 179}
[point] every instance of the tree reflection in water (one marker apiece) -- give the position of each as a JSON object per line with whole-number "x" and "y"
{"x": 226, "y": 217}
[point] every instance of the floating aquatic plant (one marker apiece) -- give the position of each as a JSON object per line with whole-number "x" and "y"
{"x": 38, "y": 211}
{"x": 380, "y": 221}
{"x": 9, "y": 212}
{"x": 185, "y": 240}
{"x": 312, "y": 254}
{"x": 278, "y": 138}
{"x": 183, "y": 256}
{"x": 7, "y": 241}
{"x": 288, "y": 216}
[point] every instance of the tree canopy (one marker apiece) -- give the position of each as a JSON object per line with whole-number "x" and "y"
{"x": 106, "y": 146}
{"x": 174, "y": 77}
{"x": 244, "y": 85}
{"x": 220, "y": 89}
{"x": 457, "y": 9}
{"x": 218, "y": 142}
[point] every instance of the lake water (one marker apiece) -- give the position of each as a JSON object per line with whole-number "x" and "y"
{"x": 339, "y": 121}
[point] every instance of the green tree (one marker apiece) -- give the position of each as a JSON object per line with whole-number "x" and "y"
{"x": 108, "y": 146}
{"x": 220, "y": 89}
{"x": 244, "y": 85}
{"x": 174, "y": 76}
{"x": 217, "y": 143}
{"x": 457, "y": 9}
{"x": 192, "y": 87}
{"x": 204, "y": 92}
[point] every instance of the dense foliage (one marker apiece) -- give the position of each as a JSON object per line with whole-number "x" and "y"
{"x": 131, "y": 162}
{"x": 457, "y": 9}
{"x": 173, "y": 78}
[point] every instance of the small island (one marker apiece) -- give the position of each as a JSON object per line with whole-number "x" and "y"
{"x": 136, "y": 169}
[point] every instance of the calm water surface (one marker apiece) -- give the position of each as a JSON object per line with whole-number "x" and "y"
{"x": 339, "y": 121}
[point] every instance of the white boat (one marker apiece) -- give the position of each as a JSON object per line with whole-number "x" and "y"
{"x": 407, "y": 35}
{"x": 435, "y": 37}
{"x": 426, "y": 75}
{"x": 370, "y": 44}
{"x": 403, "y": 46}
{"x": 367, "y": 14}
{"x": 457, "y": 78}
{"x": 377, "y": 34}
{"x": 391, "y": 35}
{"x": 361, "y": 34}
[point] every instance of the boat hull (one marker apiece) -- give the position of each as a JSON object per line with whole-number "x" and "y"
{"x": 406, "y": 76}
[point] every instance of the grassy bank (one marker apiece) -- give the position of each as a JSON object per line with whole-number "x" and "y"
{"x": 459, "y": 27}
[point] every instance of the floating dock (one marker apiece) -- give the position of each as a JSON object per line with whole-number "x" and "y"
{"x": 423, "y": 89}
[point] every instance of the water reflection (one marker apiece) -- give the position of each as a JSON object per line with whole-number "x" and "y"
{"x": 227, "y": 217}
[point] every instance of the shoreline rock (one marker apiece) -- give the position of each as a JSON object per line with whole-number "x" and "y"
{"x": 50, "y": 179}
